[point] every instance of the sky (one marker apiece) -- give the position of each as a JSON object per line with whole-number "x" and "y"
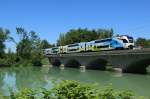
{"x": 49, "y": 18}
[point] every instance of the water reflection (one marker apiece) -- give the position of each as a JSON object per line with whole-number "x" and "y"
{"x": 33, "y": 77}
{"x": 62, "y": 67}
{"x": 6, "y": 83}
{"x": 82, "y": 69}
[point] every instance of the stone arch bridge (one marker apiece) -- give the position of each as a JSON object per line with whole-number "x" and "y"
{"x": 130, "y": 61}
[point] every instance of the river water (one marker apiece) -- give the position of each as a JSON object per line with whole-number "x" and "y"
{"x": 33, "y": 77}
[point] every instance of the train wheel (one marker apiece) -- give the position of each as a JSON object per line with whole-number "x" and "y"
{"x": 130, "y": 47}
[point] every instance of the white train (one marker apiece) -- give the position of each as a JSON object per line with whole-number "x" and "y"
{"x": 115, "y": 43}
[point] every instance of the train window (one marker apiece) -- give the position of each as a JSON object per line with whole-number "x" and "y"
{"x": 124, "y": 41}
{"x": 73, "y": 45}
{"x": 55, "y": 48}
{"x": 98, "y": 41}
{"x": 106, "y": 46}
{"x": 105, "y": 40}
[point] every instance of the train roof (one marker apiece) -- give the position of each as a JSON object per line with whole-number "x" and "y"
{"x": 130, "y": 37}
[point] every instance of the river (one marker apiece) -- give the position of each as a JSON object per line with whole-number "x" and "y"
{"x": 36, "y": 77}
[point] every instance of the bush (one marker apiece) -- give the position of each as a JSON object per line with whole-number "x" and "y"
{"x": 37, "y": 62}
{"x": 73, "y": 90}
{"x": 26, "y": 94}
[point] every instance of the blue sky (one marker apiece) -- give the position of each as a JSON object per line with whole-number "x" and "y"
{"x": 51, "y": 17}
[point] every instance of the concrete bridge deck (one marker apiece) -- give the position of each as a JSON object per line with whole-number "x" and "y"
{"x": 114, "y": 52}
{"x": 133, "y": 61}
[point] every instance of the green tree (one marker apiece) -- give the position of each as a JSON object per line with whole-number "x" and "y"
{"x": 143, "y": 42}
{"x": 4, "y": 35}
{"x": 61, "y": 41}
{"x": 103, "y": 33}
{"x": 83, "y": 35}
{"x": 45, "y": 44}
{"x": 28, "y": 48}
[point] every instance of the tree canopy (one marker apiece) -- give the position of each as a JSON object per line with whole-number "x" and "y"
{"x": 45, "y": 44}
{"x": 83, "y": 35}
{"x": 143, "y": 42}
{"x": 4, "y": 35}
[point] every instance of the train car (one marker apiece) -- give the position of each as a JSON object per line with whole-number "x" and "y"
{"x": 82, "y": 46}
{"x": 65, "y": 49}
{"x": 117, "y": 44}
{"x": 121, "y": 42}
{"x": 60, "y": 49}
{"x": 54, "y": 50}
{"x": 105, "y": 44}
{"x": 44, "y": 51}
{"x": 90, "y": 46}
{"x": 47, "y": 51}
{"x": 128, "y": 41}
{"x": 77, "y": 47}
{"x": 72, "y": 48}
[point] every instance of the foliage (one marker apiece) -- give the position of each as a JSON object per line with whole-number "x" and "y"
{"x": 73, "y": 90}
{"x": 83, "y": 35}
{"x": 45, "y": 44}
{"x": 28, "y": 41}
{"x": 110, "y": 93}
{"x": 45, "y": 61}
{"x": 4, "y": 35}
{"x": 26, "y": 93}
{"x": 126, "y": 94}
{"x": 9, "y": 59}
{"x": 143, "y": 42}
{"x": 28, "y": 47}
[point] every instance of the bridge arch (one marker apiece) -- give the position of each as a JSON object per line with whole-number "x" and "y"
{"x": 98, "y": 63}
{"x": 72, "y": 63}
{"x": 55, "y": 62}
{"x": 138, "y": 66}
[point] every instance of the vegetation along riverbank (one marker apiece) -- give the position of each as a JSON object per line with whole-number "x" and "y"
{"x": 73, "y": 90}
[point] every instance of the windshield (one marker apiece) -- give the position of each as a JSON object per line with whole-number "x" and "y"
{"x": 124, "y": 41}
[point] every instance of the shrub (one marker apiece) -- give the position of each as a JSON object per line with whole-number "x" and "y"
{"x": 25, "y": 94}
{"x": 37, "y": 62}
{"x": 73, "y": 90}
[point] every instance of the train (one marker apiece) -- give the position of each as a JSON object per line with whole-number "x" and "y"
{"x": 114, "y": 43}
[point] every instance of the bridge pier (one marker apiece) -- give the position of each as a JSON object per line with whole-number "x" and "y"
{"x": 131, "y": 63}
{"x": 137, "y": 66}
{"x": 62, "y": 65}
